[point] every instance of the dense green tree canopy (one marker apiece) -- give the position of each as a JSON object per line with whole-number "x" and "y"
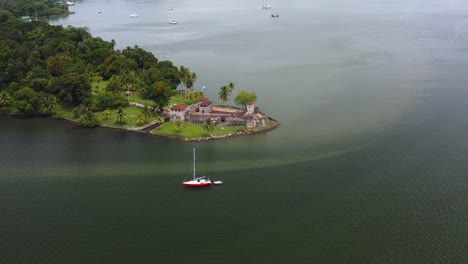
{"x": 33, "y": 7}
{"x": 244, "y": 97}
{"x": 62, "y": 62}
{"x": 109, "y": 100}
{"x": 26, "y": 101}
{"x": 71, "y": 88}
{"x": 160, "y": 93}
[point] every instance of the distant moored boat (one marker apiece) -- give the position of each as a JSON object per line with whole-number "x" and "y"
{"x": 266, "y": 5}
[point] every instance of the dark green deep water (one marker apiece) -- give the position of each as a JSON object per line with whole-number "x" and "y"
{"x": 369, "y": 164}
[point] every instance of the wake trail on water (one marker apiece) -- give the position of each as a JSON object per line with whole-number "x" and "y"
{"x": 164, "y": 169}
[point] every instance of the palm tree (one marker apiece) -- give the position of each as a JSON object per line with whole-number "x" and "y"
{"x": 114, "y": 84}
{"x": 191, "y": 80}
{"x": 159, "y": 119}
{"x": 231, "y": 87}
{"x": 88, "y": 119}
{"x": 224, "y": 93}
{"x": 48, "y": 104}
{"x": 120, "y": 118}
{"x": 183, "y": 75}
{"x": 178, "y": 125}
{"x": 140, "y": 119}
{"x": 127, "y": 79}
{"x": 5, "y": 99}
{"x": 139, "y": 85}
{"x": 106, "y": 113}
{"x": 187, "y": 77}
{"x": 146, "y": 111}
{"x": 209, "y": 126}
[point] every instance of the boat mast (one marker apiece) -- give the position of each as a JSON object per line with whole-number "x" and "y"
{"x": 193, "y": 163}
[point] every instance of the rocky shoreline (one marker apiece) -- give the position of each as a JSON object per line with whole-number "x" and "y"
{"x": 229, "y": 135}
{"x": 144, "y": 129}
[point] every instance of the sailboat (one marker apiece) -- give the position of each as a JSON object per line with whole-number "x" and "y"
{"x": 197, "y": 181}
{"x": 266, "y": 5}
{"x": 172, "y": 21}
{"x": 274, "y": 14}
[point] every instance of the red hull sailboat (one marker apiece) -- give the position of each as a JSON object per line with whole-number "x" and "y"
{"x": 197, "y": 181}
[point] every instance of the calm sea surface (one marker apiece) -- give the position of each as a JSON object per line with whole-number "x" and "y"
{"x": 369, "y": 164}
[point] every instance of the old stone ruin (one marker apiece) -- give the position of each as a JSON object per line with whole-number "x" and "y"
{"x": 199, "y": 112}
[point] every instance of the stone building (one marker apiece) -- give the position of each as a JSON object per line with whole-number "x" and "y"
{"x": 198, "y": 113}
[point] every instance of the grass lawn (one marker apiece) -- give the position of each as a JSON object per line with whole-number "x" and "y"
{"x": 223, "y": 106}
{"x": 176, "y": 100}
{"x": 136, "y": 97}
{"x": 131, "y": 112}
{"x": 191, "y": 131}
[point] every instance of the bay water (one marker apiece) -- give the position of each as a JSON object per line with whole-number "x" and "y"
{"x": 367, "y": 166}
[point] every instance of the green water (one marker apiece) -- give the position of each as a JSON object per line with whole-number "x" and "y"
{"x": 368, "y": 165}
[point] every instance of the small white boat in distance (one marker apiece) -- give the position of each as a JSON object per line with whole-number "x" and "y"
{"x": 218, "y": 182}
{"x": 266, "y": 5}
{"x": 197, "y": 181}
{"x": 172, "y": 21}
{"x": 170, "y": 8}
{"x": 133, "y": 15}
{"x": 70, "y": 3}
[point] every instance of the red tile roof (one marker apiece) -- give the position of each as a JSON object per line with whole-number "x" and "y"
{"x": 205, "y": 103}
{"x": 179, "y": 107}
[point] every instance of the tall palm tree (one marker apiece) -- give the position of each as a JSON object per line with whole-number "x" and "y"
{"x": 209, "y": 126}
{"x": 120, "y": 117}
{"x": 126, "y": 78}
{"x": 224, "y": 93}
{"x": 191, "y": 80}
{"x": 146, "y": 111}
{"x": 187, "y": 77}
{"x": 184, "y": 73}
{"x": 178, "y": 125}
{"x": 115, "y": 83}
{"x": 5, "y": 99}
{"x": 231, "y": 87}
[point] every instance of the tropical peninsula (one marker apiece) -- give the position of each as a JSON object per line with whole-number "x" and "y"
{"x": 66, "y": 73}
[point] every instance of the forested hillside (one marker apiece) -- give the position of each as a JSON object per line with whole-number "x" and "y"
{"x": 44, "y": 66}
{"x": 34, "y": 8}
